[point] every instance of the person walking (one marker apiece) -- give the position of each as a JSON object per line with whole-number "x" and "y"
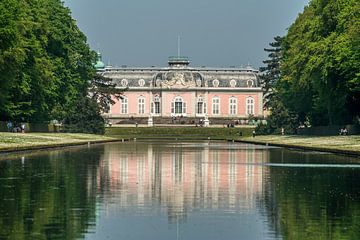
{"x": 9, "y": 126}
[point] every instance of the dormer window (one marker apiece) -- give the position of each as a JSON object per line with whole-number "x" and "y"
{"x": 141, "y": 82}
{"x": 124, "y": 82}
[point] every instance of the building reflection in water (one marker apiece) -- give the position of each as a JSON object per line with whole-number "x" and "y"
{"x": 183, "y": 177}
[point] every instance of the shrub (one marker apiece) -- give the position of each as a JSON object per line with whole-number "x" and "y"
{"x": 85, "y": 118}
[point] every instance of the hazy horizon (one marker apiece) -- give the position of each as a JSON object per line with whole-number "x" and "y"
{"x": 213, "y": 33}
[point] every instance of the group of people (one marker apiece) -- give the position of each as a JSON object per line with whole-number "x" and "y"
{"x": 15, "y": 127}
{"x": 230, "y": 125}
{"x": 174, "y": 119}
{"x": 200, "y": 124}
{"x": 343, "y": 131}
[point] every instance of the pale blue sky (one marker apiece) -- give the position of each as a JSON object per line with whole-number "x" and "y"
{"x": 213, "y": 32}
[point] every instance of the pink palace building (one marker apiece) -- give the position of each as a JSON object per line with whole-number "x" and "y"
{"x": 184, "y": 93}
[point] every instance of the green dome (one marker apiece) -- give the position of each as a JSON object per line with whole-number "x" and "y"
{"x": 99, "y": 64}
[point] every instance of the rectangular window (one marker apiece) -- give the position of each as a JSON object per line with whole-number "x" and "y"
{"x": 232, "y": 106}
{"x": 124, "y": 106}
{"x": 200, "y": 107}
{"x": 216, "y": 106}
{"x": 178, "y": 107}
{"x": 141, "y": 106}
{"x": 157, "y": 107}
{"x": 250, "y": 106}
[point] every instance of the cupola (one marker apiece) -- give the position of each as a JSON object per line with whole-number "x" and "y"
{"x": 99, "y": 64}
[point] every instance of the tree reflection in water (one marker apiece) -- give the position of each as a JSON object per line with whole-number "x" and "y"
{"x": 203, "y": 189}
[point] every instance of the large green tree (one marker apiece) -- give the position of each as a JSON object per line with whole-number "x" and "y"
{"x": 280, "y": 117}
{"x": 321, "y": 63}
{"x": 45, "y": 62}
{"x": 270, "y": 73}
{"x": 12, "y": 54}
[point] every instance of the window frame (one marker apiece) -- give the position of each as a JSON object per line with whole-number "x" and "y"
{"x": 141, "y": 105}
{"x": 215, "y": 106}
{"x": 250, "y": 106}
{"x": 124, "y": 105}
{"x": 233, "y": 105}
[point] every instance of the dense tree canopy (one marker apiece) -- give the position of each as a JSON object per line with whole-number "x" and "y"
{"x": 46, "y": 68}
{"x": 320, "y": 69}
{"x": 45, "y": 62}
{"x": 270, "y": 73}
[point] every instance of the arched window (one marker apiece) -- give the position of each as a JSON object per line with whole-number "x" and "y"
{"x": 141, "y": 105}
{"x": 178, "y": 106}
{"x": 124, "y": 105}
{"x": 155, "y": 105}
{"x": 200, "y": 106}
{"x": 232, "y": 106}
{"x": 249, "y": 106}
{"x": 216, "y": 106}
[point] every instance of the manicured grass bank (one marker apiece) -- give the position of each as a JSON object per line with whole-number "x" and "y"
{"x": 177, "y": 132}
{"x": 335, "y": 144}
{"x": 10, "y": 142}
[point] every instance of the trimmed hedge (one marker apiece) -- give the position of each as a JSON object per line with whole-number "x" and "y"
{"x": 177, "y": 132}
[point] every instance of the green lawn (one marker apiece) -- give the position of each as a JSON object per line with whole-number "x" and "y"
{"x": 342, "y": 143}
{"x": 20, "y": 141}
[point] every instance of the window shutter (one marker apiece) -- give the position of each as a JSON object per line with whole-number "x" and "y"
{"x": 184, "y": 107}
{"x": 152, "y": 107}
{"x": 172, "y": 107}
{"x": 204, "y": 107}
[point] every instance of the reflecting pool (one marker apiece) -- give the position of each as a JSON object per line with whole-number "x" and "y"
{"x": 179, "y": 190}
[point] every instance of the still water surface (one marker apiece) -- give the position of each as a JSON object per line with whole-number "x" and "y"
{"x": 179, "y": 190}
